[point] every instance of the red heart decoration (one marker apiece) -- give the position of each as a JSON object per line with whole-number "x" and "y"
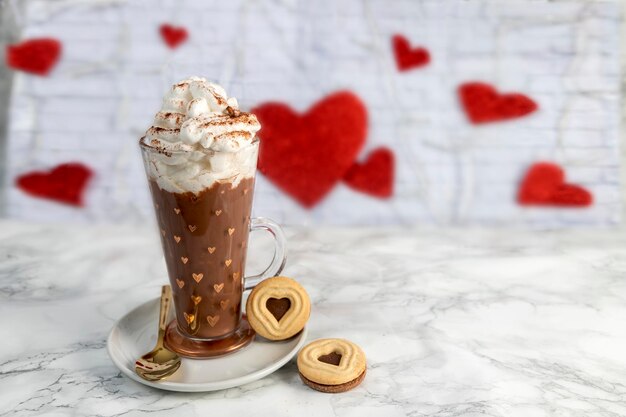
{"x": 544, "y": 184}
{"x": 483, "y": 103}
{"x": 36, "y": 56}
{"x": 407, "y": 57}
{"x": 173, "y": 36}
{"x": 64, "y": 183}
{"x": 375, "y": 175}
{"x": 305, "y": 155}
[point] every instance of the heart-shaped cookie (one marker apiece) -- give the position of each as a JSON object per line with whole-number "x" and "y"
{"x": 295, "y": 146}
{"x": 332, "y": 365}
{"x": 278, "y": 308}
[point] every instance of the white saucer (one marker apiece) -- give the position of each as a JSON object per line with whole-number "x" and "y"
{"x": 135, "y": 334}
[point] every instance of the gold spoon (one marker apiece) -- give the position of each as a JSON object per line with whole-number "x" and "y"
{"x": 160, "y": 362}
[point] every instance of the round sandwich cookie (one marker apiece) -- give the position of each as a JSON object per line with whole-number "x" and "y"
{"x": 331, "y": 365}
{"x": 278, "y": 308}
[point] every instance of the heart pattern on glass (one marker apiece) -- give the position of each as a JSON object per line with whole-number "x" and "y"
{"x": 197, "y": 277}
{"x": 212, "y": 320}
{"x": 189, "y": 318}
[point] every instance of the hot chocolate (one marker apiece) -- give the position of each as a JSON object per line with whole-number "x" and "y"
{"x": 204, "y": 239}
{"x": 200, "y": 157}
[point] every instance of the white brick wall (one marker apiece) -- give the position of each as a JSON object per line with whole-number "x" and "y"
{"x": 115, "y": 68}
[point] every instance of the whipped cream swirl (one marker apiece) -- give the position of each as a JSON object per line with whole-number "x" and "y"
{"x": 199, "y": 137}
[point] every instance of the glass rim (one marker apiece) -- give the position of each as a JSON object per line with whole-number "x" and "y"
{"x": 169, "y": 152}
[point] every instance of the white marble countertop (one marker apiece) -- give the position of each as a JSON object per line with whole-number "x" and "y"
{"x": 454, "y": 323}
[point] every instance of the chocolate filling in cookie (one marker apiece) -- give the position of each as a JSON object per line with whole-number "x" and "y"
{"x": 278, "y": 307}
{"x": 333, "y": 389}
{"x": 332, "y": 358}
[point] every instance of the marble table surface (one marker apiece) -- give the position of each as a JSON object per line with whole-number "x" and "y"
{"x": 453, "y": 323}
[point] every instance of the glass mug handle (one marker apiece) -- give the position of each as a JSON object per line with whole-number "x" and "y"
{"x": 280, "y": 251}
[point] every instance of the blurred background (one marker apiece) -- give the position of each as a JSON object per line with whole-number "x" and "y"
{"x": 82, "y": 79}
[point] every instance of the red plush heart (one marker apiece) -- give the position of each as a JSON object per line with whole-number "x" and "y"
{"x": 173, "y": 36}
{"x": 544, "y": 184}
{"x": 36, "y": 56}
{"x": 64, "y": 183}
{"x": 305, "y": 155}
{"x": 483, "y": 103}
{"x": 375, "y": 175}
{"x": 407, "y": 57}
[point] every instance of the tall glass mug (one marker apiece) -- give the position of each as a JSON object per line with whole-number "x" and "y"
{"x": 203, "y": 201}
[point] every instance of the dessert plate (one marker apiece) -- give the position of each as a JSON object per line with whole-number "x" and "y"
{"x": 135, "y": 333}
